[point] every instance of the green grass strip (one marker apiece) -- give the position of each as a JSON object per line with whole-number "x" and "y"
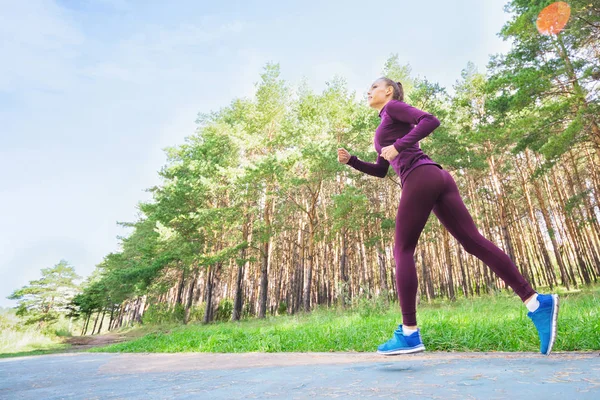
{"x": 489, "y": 323}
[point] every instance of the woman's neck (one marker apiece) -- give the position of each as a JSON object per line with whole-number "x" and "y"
{"x": 379, "y": 108}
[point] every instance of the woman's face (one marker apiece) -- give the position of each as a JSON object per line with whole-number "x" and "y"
{"x": 379, "y": 94}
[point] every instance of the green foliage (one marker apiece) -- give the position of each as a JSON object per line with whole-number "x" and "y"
{"x": 266, "y": 161}
{"x": 224, "y": 310}
{"x": 348, "y": 210}
{"x": 369, "y": 305}
{"x": 161, "y": 313}
{"x": 400, "y": 73}
{"x": 542, "y": 90}
{"x": 282, "y": 308}
{"x": 344, "y": 298}
{"x": 62, "y": 332}
{"x": 559, "y": 143}
{"x": 17, "y": 337}
{"x": 43, "y": 300}
{"x": 197, "y": 313}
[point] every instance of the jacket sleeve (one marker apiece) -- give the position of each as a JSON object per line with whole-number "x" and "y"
{"x": 380, "y": 169}
{"x": 424, "y": 122}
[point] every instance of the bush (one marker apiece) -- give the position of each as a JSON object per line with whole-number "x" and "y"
{"x": 5, "y": 323}
{"x": 179, "y": 313}
{"x": 197, "y": 313}
{"x": 62, "y": 327}
{"x": 16, "y": 336}
{"x": 367, "y": 305}
{"x": 344, "y": 298}
{"x": 161, "y": 313}
{"x": 282, "y": 309}
{"x": 62, "y": 332}
{"x": 246, "y": 311}
{"x": 224, "y": 310}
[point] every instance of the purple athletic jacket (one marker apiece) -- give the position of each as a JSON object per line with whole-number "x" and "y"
{"x": 403, "y": 126}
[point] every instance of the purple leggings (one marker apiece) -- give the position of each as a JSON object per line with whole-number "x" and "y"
{"x": 429, "y": 188}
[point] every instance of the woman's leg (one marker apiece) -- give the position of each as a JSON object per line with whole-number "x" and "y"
{"x": 420, "y": 192}
{"x": 453, "y": 214}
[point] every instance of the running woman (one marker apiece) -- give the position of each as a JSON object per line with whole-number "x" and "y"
{"x": 427, "y": 187}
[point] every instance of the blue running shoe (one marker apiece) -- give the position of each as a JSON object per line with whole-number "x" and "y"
{"x": 545, "y": 318}
{"x": 400, "y": 344}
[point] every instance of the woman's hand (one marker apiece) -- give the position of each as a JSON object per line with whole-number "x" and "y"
{"x": 389, "y": 152}
{"x": 343, "y": 156}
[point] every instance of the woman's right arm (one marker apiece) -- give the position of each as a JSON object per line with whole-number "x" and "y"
{"x": 380, "y": 169}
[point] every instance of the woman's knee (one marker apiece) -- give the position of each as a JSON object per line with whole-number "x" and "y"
{"x": 404, "y": 248}
{"x": 472, "y": 244}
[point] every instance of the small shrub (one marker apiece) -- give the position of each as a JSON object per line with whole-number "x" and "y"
{"x": 197, "y": 313}
{"x": 224, "y": 310}
{"x": 63, "y": 332}
{"x": 178, "y": 313}
{"x": 161, "y": 313}
{"x": 246, "y": 311}
{"x": 282, "y": 309}
{"x": 367, "y": 305}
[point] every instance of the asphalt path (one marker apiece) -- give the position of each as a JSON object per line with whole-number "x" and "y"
{"x": 301, "y": 375}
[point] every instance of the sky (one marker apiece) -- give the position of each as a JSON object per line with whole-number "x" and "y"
{"x": 92, "y": 91}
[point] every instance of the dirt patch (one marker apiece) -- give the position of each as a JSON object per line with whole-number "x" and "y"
{"x": 86, "y": 342}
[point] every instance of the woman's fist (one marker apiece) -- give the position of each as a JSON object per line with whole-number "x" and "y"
{"x": 343, "y": 156}
{"x": 389, "y": 152}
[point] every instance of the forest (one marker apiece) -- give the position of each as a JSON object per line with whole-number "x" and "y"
{"x": 255, "y": 216}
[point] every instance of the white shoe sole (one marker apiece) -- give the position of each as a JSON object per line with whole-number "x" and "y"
{"x": 554, "y": 323}
{"x": 416, "y": 349}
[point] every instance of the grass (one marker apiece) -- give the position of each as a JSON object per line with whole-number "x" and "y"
{"x": 490, "y": 323}
{"x": 16, "y": 342}
{"x": 39, "y": 352}
{"x": 18, "y": 339}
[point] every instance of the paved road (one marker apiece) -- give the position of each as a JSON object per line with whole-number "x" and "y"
{"x": 302, "y": 375}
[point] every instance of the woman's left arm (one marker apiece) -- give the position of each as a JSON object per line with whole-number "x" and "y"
{"x": 424, "y": 122}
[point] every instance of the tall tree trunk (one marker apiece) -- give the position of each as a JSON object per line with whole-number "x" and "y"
{"x": 85, "y": 326}
{"x": 96, "y": 322}
{"x": 308, "y": 268}
{"x": 112, "y": 319}
{"x": 427, "y": 283}
{"x": 541, "y": 244}
{"x": 497, "y": 184}
{"x": 549, "y": 227}
{"x": 448, "y": 266}
{"x": 382, "y": 266}
{"x": 121, "y": 314}
{"x": 299, "y": 266}
{"x": 208, "y": 311}
{"x": 465, "y": 284}
{"x": 190, "y": 297}
{"x": 179, "y": 296}
{"x": 343, "y": 266}
{"x": 238, "y": 302}
{"x": 560, "y": 229}
{"x": 101, "y": 320}
{"x": 265, "y": 253}
{"x": 364, "y": 264}
{"x": 236, "y": 315}
{"x": 573, "y": 233}
{"x": 277, "y": 297}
